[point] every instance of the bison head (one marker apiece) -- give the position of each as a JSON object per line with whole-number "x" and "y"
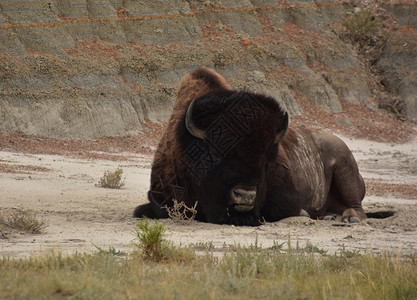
{"x": 228, "y": 141}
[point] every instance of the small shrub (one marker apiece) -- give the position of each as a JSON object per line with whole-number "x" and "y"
{"x": 112, "y": 180}
{"x": 394, "y": 105}
{"x": 361, "y": 25}
{"x": 179, "y": 212}
{"x": 21, "y": 220}
{"x": 150, "y": 239}
{"x": 154, "y": 248}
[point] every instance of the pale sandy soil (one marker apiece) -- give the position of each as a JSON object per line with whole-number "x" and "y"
{"x": 61, "y": 189}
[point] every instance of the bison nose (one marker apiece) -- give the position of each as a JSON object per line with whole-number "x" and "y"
{"x": 243, "y": 200}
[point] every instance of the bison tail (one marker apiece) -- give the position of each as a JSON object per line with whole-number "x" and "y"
{"x": 144, "y": 210}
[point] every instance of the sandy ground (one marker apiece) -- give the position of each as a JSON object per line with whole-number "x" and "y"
{"x": 61, "y": 189}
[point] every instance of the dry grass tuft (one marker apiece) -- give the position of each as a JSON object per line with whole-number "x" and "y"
{"x": 21, "y": 220}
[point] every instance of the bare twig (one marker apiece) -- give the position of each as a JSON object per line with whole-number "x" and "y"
{"x": 180, "y": 212}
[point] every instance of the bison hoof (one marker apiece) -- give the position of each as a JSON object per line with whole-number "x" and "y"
{"x": 303, "y": 213}
{"x": 329, "y": 218}
{"x": 354, "y": 220}
{"x": 351, "y": 220}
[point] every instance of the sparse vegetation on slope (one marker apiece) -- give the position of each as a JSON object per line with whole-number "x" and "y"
{"x": 108, "y": 71}
{"x": 361, "y": 25}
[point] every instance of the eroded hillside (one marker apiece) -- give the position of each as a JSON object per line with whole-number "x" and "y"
{"x": 91, "y": 68}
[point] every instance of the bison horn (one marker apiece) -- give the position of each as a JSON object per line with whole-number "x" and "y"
{"x": 283, "y": 129}
{"x": 192, "y": 129}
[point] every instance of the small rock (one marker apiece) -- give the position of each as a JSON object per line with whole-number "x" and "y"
{"x": 344, "y": 122}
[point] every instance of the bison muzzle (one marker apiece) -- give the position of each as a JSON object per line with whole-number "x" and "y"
{"x": 242, "y": 199}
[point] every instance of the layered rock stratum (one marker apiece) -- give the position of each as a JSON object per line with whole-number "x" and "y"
{"x": 93, "y": 68}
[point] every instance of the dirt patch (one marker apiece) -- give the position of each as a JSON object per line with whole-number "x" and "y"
{"x": 108, "y": 148}
{"x": 382, "y": 188}
{"x": 81, "y": 215}
{"x": 6, "y": 167}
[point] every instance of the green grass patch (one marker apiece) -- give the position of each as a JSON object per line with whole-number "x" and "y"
{"x": 177, "y": 273}
{"x": 151, "y": 246}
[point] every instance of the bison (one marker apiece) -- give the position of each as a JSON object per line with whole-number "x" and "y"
{"x": 233, "y": 152}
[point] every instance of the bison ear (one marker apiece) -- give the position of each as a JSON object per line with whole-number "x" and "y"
{"x": 191, "y": 127}
{"x": 282, "y": 128}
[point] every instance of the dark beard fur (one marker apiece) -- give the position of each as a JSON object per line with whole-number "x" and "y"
{"x": 243, "y": 219}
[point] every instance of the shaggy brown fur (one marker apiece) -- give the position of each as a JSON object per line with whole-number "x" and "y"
{"x": 278, "y": 176}
{"x": 192, "y": 86}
